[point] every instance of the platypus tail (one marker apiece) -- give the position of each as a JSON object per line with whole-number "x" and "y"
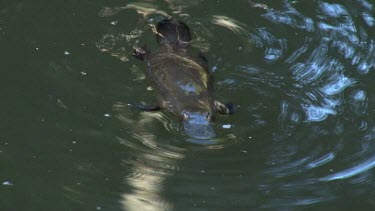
{"x": 174, "y": 33}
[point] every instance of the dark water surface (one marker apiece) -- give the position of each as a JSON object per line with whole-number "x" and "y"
{"x": 300, "y": 72}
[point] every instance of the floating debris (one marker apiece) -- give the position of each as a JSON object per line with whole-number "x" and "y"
{"x": 114, "y": 23}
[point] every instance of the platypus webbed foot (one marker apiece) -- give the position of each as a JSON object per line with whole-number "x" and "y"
{"x": 227, "y": 108}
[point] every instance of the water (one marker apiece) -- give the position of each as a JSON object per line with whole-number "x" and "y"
{"x": 300, "y": 72}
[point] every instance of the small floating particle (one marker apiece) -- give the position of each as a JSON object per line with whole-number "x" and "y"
{"x": 214, "y": 68}
{"x": 114, "y": 23}
{"x": 66, "y": 52}
{"x": 74, "y": 142}
{"x": 37, "y": 49}
{"x": 61, "y": 104}
{"x": 98, "y": 208}
{"x": 83, "y": 73}
{"x": 107, "y": 115}
{"x": 227, "y": 126}
{"x": 150, "y": 88}
{"x": 83, "y": 44}
{"x": 7, "y": 183}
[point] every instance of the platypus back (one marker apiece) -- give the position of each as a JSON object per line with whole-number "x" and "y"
{"x": 173, "y": 33}
{"x": 181, "y": 80}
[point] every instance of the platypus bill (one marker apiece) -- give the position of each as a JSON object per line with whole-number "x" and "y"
{"x": 181, "y": 80}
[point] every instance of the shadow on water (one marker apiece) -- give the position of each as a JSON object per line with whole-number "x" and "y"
{"x": 301, "y": 74}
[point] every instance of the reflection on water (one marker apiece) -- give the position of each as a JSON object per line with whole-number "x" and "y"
{"x": 151, "y": 163}
{"x": 303, "y": 121}
{"x": 359, "y": 168}
{"x": 228, "y": 23}
{"x": 154, "y": 161}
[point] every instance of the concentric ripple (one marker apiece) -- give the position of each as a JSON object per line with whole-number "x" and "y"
{"x": 304, "y": 124}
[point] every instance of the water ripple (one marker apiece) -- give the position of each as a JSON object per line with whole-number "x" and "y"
{"x": 291, "y": 17}
{"x": 305, "y": 116}
{"x": 321, "y": 161}
{"x": 274, "y": 47}
{"x": 360, "y": 168}
{"x": 333, "y": 10}
{"x": 337, "y": 85}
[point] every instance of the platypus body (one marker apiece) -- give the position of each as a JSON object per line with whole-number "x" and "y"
{"x": 181, "y": 80}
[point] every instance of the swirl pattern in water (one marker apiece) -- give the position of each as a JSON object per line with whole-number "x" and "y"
{"x": 303, "y": 135}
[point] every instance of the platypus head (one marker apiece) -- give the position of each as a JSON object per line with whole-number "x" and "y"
{"x": 198, "y": 125}
{"x": 174, "y": 33}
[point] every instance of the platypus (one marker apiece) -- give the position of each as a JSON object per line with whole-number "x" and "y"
{"x": 182, "y": 80}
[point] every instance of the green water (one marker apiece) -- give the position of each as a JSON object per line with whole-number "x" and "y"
{"x": 300, "y": 72}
